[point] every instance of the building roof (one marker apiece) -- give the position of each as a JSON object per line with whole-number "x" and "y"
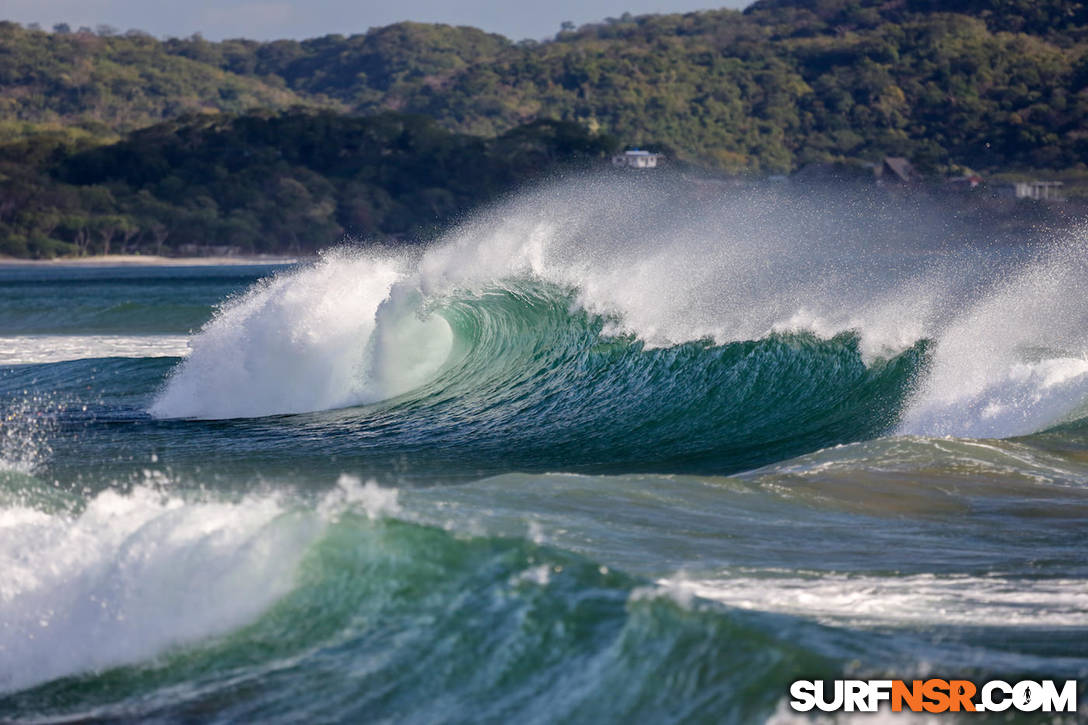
{"x": 901, "y": 168}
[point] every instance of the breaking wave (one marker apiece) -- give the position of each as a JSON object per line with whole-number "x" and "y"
{"x": 624, "y": 330}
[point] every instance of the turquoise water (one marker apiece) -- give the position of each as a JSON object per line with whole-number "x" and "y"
{"x": 560, "y": 467}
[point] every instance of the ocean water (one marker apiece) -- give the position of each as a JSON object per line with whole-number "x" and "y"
{"x": 600, "y": 454}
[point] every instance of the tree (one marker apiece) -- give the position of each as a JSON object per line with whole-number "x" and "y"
{"x": 159, "y": 234}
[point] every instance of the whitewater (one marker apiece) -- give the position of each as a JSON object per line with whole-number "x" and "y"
{"x": 605, "y": 450}
{"x": 1010, "y": 354}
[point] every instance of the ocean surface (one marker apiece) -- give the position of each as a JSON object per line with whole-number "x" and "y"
{"x": 597, "y": 455}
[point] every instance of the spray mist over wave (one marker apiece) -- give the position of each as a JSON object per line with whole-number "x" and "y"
{"x": 655, "y": 265}
{"x": 1015, "y": 360}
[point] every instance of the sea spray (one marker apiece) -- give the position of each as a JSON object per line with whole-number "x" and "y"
{"x": 301, "y": 341}
{"x": 26, "y": 423}
{"x": 359, "y": 327}
{"x": 1014, "y": 360}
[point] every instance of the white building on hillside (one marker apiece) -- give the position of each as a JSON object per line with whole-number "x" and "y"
{"x": 1039, "y": 190}
{"x": 637, "y": 159}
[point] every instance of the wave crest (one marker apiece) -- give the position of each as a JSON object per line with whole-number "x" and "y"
{"x": 628, "y": 322}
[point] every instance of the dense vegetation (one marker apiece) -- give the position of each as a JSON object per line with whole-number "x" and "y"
{"x": 268, "y": 182}
{"x": 990, "y": 84}
{"x": 112, "y": 140}
{"x": 110, "y": 83}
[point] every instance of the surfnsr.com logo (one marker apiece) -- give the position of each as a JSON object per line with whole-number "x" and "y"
{"x": 933, "y": 696}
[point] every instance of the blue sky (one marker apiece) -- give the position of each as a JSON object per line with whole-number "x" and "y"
{"x": 264, "y": 19}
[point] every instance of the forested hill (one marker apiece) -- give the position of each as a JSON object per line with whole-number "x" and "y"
{"x": 267, "y": 182}
{"x": 989, "y": 84}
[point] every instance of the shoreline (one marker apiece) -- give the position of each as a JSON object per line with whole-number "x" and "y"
{"x": 146, "y": 260}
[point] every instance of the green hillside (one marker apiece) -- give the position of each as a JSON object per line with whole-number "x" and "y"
{"x": 114, "y": 141}
{"x": 995, "y": 84}
{"x": 269, "y": 182}
{"x": 110, "y": 84}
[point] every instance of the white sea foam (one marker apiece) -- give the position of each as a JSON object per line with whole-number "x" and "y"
{"x": 922, "y": 599}
{"x": 308, "y": 340}
{"x": 352, "y": 494}
{"x": 35, "y": 349}
{"x": 133, "y": 575}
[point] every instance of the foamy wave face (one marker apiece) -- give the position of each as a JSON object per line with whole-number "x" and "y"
{"x": 134, "y": 575}
{"x": 1015, "y": 361}
{"x": 306, "y": 340}
{"x": 923, "y": 599}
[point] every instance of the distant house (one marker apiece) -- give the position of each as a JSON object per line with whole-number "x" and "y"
{"x": 898, "y": 170}
{"x": 637, "y": 159}
{"x": 1039, "y": 190}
